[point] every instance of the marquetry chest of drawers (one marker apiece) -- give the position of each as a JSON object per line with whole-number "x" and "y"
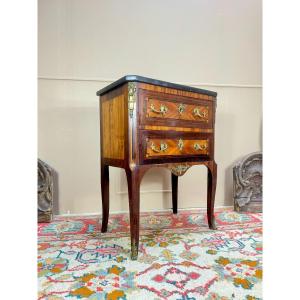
{"x": 149, "y": 123}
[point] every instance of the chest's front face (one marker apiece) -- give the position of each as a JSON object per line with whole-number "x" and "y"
{"x": 173, "y": 125}
{"x": 143, "y": 123}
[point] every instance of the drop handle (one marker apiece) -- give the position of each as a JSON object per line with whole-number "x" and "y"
{"x": 162, "y": 109}
{"x": 200, "y": 147}
{"x": 162, "y": 147}
{"x": 198, "y": 113}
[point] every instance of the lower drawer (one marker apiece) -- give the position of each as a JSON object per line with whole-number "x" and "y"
{"x": 180, "y": 146}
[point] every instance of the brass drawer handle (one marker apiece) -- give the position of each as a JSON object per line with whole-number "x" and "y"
{"x": 162, "y": 110}
{"x": 181, "y": 108}
{"x": 180, "y": 144}
{"x": 163, "y": 147}
{"x": 200, "y": 147}
{"x": 198, "y": 113}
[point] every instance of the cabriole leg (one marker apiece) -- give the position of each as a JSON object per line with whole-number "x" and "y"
{"x": 133, "y": 179}
{"x": 211, "y": 191}
{"x": 174, "y": 193}
{"x": 105, "y": 196}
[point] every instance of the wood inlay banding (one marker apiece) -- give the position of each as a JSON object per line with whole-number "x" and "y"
{"x": 184, "y": 129}
{"x": 160, "y": 89}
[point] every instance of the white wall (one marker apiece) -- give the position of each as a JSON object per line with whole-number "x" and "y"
{"x": 83, "y": 45}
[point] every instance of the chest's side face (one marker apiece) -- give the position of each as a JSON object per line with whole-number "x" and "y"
{"x": 174, "y": 125}
{"x": 112, "y": 118}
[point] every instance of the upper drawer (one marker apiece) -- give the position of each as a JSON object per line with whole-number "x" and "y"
{"x": 165, "y": 109}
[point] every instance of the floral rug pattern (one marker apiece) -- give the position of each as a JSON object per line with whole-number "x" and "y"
{"x": 179, "y": 258}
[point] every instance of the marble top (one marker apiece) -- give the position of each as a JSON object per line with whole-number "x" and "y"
{"x": 136, "y": 78}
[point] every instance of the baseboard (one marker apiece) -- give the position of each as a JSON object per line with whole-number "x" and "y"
{"x": 151, "y": 210}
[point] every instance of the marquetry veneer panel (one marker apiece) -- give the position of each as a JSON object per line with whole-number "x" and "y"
{"x": 112, "y": 118}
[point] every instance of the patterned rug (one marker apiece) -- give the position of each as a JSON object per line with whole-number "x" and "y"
{"x": 179, "y": 258}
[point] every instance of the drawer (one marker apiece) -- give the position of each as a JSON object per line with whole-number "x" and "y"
{"x": 166, "y": 109}
{"x": 180, "y": 145}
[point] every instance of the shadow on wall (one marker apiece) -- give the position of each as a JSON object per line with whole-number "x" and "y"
{"x": 156, "y": 191}
{"x": 228, "y": 191}
{"x": 156, "y": 181}
{"x": 261, "y": 135}
{"x": 224, "y": 148}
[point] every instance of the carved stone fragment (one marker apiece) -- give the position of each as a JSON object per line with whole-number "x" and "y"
{"x": 247, "y": 183}
{"x": 45, "y": 192}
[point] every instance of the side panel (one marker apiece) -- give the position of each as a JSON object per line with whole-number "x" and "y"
{"x": 112, "y": 125}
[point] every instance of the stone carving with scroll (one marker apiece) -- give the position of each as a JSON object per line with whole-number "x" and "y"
{"x": 247, "y": 183}
{"x": 45, "y": 192}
